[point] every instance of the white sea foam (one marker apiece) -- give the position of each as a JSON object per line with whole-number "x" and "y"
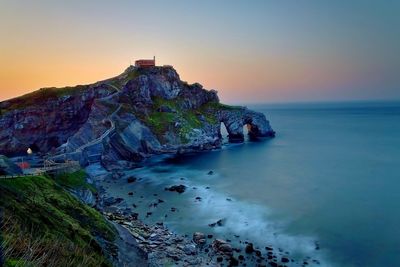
{"x": 251, "y": 221}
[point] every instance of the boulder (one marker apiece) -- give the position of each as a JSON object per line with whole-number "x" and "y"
{"x": 220, "y": 222}
{"x": 249, "y": 248}
{"x": 131, "y": 179}
{"x": 199, "y": 238}
{"x": 177, "y": 188}
{"x": 221, "y": 246}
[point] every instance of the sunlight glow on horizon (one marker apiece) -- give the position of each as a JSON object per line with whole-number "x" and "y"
{"x": 263, "y": 51}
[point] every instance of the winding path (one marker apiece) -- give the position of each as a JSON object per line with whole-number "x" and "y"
{"x": 104, "y": 135}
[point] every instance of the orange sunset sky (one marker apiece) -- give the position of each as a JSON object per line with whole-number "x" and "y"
{"x": 250, "y": 51}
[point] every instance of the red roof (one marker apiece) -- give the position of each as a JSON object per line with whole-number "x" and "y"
{"x": 24, "y": 165}
{"x": 145, "y": 63}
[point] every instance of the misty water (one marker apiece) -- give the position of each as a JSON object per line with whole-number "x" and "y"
{"x": 326, "y": 187}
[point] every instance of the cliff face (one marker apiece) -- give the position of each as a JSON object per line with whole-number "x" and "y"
{"x": 128, "y": 117}
{"x": 7, "y": 167}
{"x": 45, "y": 119}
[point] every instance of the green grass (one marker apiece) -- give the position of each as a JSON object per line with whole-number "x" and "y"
{"x": 171, "y": 103}
{"x": 217, "y": 105}
{"x": 14, "y": 263}
{"x": 38, "y": 97}
{"x": 160, "y": 122}
{"x": 44, "y": 213}
{"x": 74, "y": 180}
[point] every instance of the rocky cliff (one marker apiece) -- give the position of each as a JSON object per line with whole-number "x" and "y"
{"x": 128, "y": 117}
{"x": 7, "y": 167}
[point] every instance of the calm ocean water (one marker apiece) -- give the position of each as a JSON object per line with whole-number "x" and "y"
{"x": 329, "y": 180}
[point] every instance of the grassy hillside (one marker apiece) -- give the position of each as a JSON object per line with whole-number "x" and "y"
{"x": 38, "y": 97}
{"x": 44, "y": 225}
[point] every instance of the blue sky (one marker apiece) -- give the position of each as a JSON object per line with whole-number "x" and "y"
{"x": 250, "y": 51}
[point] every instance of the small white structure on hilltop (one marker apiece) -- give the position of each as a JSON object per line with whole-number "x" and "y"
{"x": 29, "y": 151}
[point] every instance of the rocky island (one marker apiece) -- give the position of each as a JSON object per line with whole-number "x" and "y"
{"x": 143, "y": 111}
{"x": 117, "y": 124}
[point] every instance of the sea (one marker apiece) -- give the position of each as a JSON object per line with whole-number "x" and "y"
{"x": 325, "y": 190}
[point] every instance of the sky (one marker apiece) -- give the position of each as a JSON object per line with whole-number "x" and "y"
{"x": 249, "y": 51}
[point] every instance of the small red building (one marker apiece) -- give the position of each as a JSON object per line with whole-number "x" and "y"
{"x": 145, "y": 63}
{"x": 24, "y": 165}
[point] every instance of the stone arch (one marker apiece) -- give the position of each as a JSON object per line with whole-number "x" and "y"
{"x": 252, "y": 128}
{"x": 257, "y": 125}
{"x": 223, "y": 131}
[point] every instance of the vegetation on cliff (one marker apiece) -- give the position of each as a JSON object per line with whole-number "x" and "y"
{"x": 140, "y": 112}
{"x": 42, "y": 95}
{"x": 44, "y": 225}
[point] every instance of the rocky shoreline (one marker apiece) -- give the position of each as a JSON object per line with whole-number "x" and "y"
{"x": 155, "y": 245}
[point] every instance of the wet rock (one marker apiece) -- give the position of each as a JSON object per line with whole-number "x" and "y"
{"x": 131, "y": 179}
{"x": 190, "y": 250}
{"x": 130, "y": 193}
{"x": 220, "y": 222}
{"x": 233, "y": 261}
{"x": 210, "y": 173}
{"x": 221, "y": 246}
{"x": 249, "y": 248}
{"x": 198, "y": 198}
{"x": 269, "y": 248}
{"x": 116, "y": 175}
{"x": 238, "y": 250}
{"x": 134, "y": 216}
{"x": 284, "y": 260}
{"x": 241, "y": 257}
{"x": 210, "y": 236}
{"x": 199, "y": 238}
{"x": 153, "y": 205}
{"x": 177, "y": 188}
{"x": 112, "y": 201}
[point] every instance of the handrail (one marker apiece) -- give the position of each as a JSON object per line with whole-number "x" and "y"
{"x": 20, "y": 175}
{"x": 104, "y": 135}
